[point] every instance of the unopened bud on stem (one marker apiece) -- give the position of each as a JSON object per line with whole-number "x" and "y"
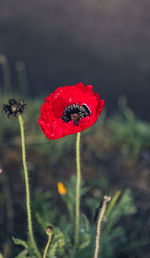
{"x": 49, "y": 230}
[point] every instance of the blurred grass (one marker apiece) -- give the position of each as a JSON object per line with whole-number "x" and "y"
{"x": 115, "y": 154}
{"x": 6, "y": 74}
{"x": 110, "y": 140}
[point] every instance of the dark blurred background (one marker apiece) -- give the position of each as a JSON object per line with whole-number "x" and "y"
{"x": 103, "y": 43}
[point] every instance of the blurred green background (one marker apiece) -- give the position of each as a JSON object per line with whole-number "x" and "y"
{"x": 46, "y": 44}
{"x": 115, "y": 156}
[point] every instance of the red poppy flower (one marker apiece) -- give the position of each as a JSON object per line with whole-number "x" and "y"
{"x": 69, "y": 110}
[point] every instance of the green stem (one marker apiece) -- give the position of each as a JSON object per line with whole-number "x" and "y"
{"x": 47, "y": 245}
{"x": 112, "y": 203}
{"x": 77, "y": 208}
{"x": 27, "y": 187}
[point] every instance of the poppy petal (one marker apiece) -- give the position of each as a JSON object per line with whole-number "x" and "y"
{"x": 51, "y": 121}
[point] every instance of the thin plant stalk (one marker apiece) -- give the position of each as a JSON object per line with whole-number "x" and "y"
{"x": 22, "y": 77}
{"x": 27, "y": 188}
{"x": 78, "y": 183}
{"x": 112, "y": 203}
{"x": 99, "y": 225}
{"x": 47, "y": 245}
{"x": 6, "y": 74}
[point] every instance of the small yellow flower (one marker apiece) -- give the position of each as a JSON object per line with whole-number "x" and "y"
{"x": 61, "y": 188}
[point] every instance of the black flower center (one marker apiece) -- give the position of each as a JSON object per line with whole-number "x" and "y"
{"x": 75, "y": 112}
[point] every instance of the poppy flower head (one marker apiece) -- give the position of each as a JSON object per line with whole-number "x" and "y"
{"x": 69, "y": 110}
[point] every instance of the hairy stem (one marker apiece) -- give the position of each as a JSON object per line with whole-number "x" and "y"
{"x": 47, "y": 245}
{"x": 27, "y": 187}
{"x": 99, "y": 224}
{"x": 78, "y": 183}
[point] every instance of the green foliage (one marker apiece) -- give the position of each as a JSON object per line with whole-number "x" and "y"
{"x": 128, "y": 133}
{"x": 85, "y": 237}
{"x": 43, "y": 211}
{"x": 114, "y": 235}
{"x": 123, "y": 132}
{"x": 23, "y": 254}
{"x": 123, "y": 207}
{"x": 69, "y": 198}
{"x": 28, "y": 249}
{"x": 112, "y": 203}
{"x": 59, "y": 245}
{"x": 18, "y": 241}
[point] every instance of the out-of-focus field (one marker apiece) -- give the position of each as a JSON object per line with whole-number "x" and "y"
{"x": 115, "y": 155}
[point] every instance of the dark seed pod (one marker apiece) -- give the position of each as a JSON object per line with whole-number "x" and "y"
{"x": 13, "y": 108}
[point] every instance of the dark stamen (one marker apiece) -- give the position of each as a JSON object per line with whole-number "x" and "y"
{"x": 75, "y": 112}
